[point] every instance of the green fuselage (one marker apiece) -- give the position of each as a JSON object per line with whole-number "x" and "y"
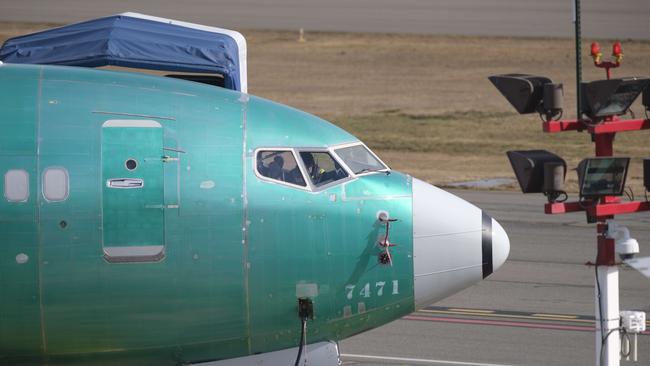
{"x": 204, "y": 260}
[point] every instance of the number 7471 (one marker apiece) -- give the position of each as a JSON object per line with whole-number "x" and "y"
{"x": 366, "y": 290}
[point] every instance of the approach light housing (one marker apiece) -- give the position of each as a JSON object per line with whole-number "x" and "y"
{"x": 539, "y": 171}
{"x": 604, "y": 176}
{"x": 606, "y": 98}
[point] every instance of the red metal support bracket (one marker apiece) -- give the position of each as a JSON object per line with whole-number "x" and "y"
{"x": 563, "y": 207}
{"x": 605, "y": 127}
{"x": 563, "y": 125}
{"x": 601, "y": 211}
{"x": 610, "y": 209}
{"x": 620, "y": 126}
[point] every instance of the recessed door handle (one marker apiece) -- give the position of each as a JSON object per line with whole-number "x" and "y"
{"x": 125, "y": 183}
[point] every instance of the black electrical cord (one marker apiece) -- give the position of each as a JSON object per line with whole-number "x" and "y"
{"x": 631, "y": 113}
{"x": 602, "y": 345}
{"x": 582, "y": 200}
{"x": 626, "y": 336}
{"x": 600, "y": 314}
{"x": 548, "y": 117}
{"x": 629, "y": 195}
{"x": 632, "y": 193}
{"x": 557, "y": 196}
{"x": 592, "y": 123}
{"x": 303, "y": 339}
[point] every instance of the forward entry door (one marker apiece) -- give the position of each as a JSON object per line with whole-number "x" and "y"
{"x": 133, "y": 191}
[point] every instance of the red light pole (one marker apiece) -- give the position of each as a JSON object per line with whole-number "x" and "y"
{"x": 600, "y": 210}
{"x": 602, "y": 179}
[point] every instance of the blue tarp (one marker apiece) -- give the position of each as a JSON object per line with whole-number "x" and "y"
{"x": 137, "y": 41}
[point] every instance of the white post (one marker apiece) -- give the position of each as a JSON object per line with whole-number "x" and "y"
{"x": 611, "y": 349}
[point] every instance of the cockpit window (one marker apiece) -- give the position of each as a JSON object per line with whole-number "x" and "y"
{"x": 359, "y": 159}
{"x": 280, "y": 165}
{"x": 321, "y": 167}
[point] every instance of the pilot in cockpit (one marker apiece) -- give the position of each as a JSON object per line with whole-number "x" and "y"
{"x": 313, "y": 170}
{"x": 275, "y": 168}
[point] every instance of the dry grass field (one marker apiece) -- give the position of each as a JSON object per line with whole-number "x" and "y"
{"x": 423, "y": 102}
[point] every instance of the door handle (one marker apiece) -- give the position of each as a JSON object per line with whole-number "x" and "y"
{"x": 125, "y": 183}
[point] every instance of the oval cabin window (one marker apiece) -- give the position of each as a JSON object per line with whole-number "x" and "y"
{"x": 16, "y": 185}
{"x": 55, "y": 184}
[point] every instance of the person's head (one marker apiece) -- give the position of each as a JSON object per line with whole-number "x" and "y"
{"x": 308, "y": 159}
{"x": 278, "y": 161}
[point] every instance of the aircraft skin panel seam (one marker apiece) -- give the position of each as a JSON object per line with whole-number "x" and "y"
{"x": 39, "y": 234}
{"x": 446, "y": 234}
{"x": 448, "y": 270}
{"x": 168, "y": 118}
{"x": 245, "y": 263}
{"x": 374, "y": 198}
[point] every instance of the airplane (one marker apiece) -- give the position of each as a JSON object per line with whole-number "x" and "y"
{"x": 151, "y": 220}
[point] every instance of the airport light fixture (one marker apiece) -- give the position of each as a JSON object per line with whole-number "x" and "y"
{"x": 595, "y": 53}
{"x": 602, "y": 179}
{"x": 539, "y": 171}
{"x": 531, "y": 93}
{"x": 611, "y": 97}
{"x": 604, "y": 176}
{"x": 617, "y": 51}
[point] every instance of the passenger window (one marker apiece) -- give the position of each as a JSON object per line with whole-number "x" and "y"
{"x": 16, "y": 185}
{"x": 322, "y": 168}
{"x": 280, "y": 165}
{"x": 55, "y": 184}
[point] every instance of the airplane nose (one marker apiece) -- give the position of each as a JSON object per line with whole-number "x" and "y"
{"x": 500, "y": 245}
{"x": 455, "y": 244}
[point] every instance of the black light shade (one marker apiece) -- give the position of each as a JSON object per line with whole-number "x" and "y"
{"x": 602, "y": 176}
{"x": 529, "y": 168}
{"x": 603, "y": 98}
{"x": 524, "y": 92}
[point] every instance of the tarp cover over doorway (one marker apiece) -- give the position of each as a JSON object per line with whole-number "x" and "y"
{"x": 137, "y": 41}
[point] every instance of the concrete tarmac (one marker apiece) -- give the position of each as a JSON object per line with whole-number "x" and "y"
{"x": 549, "y": 18}
{"x": 545, "y": 273}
